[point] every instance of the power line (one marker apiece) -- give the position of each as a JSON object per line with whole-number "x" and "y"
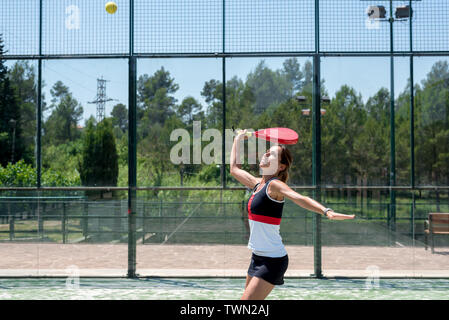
{"x": 101, "y": 99}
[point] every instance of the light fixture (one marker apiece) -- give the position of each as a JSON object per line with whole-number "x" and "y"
{"x": 403, "y": 12}
{"x": 306, "y": 112}
{"x": 325, "y": 99}
{"x": 300, "y": 99}
{"x": 376, "y": 12}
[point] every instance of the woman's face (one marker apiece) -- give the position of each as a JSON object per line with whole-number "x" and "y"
{"x": 269, "y": 163}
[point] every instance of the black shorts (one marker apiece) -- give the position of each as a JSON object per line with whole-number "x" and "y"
{"x": 269, "y": 269}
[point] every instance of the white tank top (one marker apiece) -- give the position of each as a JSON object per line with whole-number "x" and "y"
{"x": 264, "y": 216}
{"x": 265, "y": 240}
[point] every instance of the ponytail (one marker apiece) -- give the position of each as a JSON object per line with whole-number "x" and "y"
{"x": 286, "y": 158}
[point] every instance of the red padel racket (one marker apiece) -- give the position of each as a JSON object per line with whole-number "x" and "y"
{"x": 279, "y": 135}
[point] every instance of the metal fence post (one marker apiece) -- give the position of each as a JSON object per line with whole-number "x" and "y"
{"x": 85, "y": 222}
{"x": 132, "y": 147}
{"x": 41, "y": 220}
{"x": 11, "y": 223}
{"x": 63, "y": 222}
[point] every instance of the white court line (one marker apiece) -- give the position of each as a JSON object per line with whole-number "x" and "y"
{"x": 181, "y": 224}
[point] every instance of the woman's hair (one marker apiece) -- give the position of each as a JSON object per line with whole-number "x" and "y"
{"x": 287, "y": 159}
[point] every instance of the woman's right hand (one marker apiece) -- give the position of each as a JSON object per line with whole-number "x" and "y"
{"x": 241, "y": 135}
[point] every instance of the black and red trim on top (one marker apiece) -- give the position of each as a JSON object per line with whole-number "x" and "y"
{"x": 262, "y": 208}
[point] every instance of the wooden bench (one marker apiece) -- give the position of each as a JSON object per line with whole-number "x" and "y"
{"x": 438, "y": 223}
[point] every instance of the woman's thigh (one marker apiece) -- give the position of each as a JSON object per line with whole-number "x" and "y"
{"x": 257, "y": 289}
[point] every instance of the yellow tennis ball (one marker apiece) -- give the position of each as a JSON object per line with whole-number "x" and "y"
{"x": 111, "y": 7}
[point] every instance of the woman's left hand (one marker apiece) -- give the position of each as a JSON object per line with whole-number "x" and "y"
{"x": 339, "y": 216}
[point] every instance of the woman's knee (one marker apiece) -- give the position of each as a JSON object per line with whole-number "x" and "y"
{"x": 257, "y": 289}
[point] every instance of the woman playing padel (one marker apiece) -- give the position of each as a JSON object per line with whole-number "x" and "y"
{"x": 269, "y": 259}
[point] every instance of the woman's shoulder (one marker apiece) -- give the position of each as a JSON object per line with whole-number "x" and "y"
{"x": 274, "y": 192}
{"x": 277, "y": 184}
{"x": 278, "y": 181}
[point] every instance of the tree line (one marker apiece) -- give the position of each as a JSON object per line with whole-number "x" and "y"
{"x": 355, "y": 134}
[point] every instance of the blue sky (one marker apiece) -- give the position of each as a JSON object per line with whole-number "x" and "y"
{"x": 195, "y": 26}
{"x": 366, "y": 75}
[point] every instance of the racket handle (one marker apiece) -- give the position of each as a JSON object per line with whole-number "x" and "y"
{"x": 248, "y": 134}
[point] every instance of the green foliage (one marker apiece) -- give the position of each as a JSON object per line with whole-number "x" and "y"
{"x": 62, "y": 158}
{"x": 213, "y": 94}
{"x": 210, "y": 173}
{"x": 21, "y": 174}
{"x": 11, "y": 143}
{"x": 355, "y": 134}
{"x": 188, "y": 109}
{"x": 51, "y": 178}
{"x": 432, "y": 123}
{"x": 24, "y": 82}
{"x": 99, "y": 159}
{"x": 155, "y": 103}
{"x": 269, "y": 87}
{"x": 119, "y": 117}
{"x": 62, "y": 124}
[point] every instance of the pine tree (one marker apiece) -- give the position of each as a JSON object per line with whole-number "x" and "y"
{"x": 99, "y": 165}
{"x": 10, "y": 124}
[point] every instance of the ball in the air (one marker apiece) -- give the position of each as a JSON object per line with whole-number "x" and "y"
{"x": 111, "y": 7}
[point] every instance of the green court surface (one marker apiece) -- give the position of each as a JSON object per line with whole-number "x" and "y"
{"x": 220, "y": 289}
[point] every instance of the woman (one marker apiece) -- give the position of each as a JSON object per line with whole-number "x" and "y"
{"x": 269, "y": 259}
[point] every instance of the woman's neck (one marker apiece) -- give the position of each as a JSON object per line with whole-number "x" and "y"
{"x": 266, "y": 177}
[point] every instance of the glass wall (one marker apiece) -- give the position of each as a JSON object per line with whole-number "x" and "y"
{"x": 179, "y": 122}
{"x": 65, "y": 233}
{"x": 18, "y": 125}
{"x": 85, "y": 123}
{"x": 204, "y": 67}
{"x": 431, "y": 121}
{"x": 355, "y": 125}
{"x": 402, "y": 120}
{"x": 268, "y": 93}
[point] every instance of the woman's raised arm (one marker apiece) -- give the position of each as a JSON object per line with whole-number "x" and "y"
{"x": 241, "y": 175}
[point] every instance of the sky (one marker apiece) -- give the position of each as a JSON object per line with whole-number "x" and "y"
{"x": 82, "y": 26}
{"x": 366, "y": 75}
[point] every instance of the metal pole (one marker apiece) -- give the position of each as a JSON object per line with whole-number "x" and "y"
{"x": 85, "y": 220}
{"x": 392, "y": 127}
{"x": 412, "y": 106}
{"x": 132, "y": 149}
{"x": 39, "y": 104}
{"x": 223, "y": 147}
{"x": 316, "y": 149}
{"x": 63, "y": 222}
{"x": 11, "y": 223}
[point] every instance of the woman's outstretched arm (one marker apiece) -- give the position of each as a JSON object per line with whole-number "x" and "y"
{"x": 280, "y": 187}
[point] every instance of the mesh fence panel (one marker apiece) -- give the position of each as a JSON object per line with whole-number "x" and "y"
{"x": 19, "y": 27}
{"x": 269, "y": 26}
{"x": 430, "y": 25}
{"x": 178, "y": 26}
{"x": 82, "y": 27}
{"x": 77, "y": 27}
